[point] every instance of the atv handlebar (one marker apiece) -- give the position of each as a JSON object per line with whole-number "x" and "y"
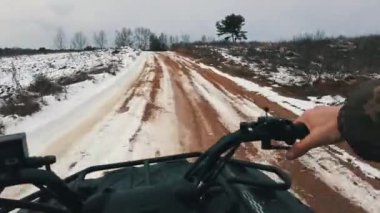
{"x": 265, "y": 130}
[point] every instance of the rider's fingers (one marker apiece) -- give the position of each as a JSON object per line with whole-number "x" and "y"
{"x": 316, "y": 138}
{"x": 300, "y": 119}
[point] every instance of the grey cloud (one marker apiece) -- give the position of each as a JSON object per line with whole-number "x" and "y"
{"x": 61, "y": 8}
{"x": 33, "y": 23}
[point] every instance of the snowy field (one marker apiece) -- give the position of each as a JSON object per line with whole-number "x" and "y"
{"x": 287, "y": 76}
{"x": 56, "y": 66}
{"x": 84, "y": 104}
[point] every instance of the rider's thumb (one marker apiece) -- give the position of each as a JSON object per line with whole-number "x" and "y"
{"x": 303, "y": 146}
{"x": 294, "y": 153}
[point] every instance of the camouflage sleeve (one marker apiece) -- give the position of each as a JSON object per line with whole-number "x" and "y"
{"x": 359, "y": 120}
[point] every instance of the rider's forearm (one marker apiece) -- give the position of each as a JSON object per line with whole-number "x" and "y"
{"x": 359, "y": 121}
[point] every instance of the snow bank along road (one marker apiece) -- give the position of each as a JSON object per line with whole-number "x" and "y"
{"x": 171, "y": 104}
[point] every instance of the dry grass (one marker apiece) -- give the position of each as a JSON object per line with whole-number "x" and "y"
{"x": 22, "y": 104}
{"x": 208, "y": 55}
{"x": 76, "y": 78}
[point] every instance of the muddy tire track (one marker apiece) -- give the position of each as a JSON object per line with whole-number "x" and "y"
{"x": 148, "y": 86}
{"x": 200, "y": 127}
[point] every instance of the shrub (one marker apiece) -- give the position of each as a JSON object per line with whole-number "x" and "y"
{"x": 72, "y": 79}
{"x": 111, "y": 69}
{"x": 2, "y": 128}
{"x": 114, "y": 52}
{"x": 15, "y": 76}
{"x": 21, "y": 104}
{"x": 89, "y": 48}
{"x": 44, "y": 86}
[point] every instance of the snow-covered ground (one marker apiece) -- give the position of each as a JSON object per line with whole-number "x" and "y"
{"x": 137, "y": 114}
{"x": 55, "y": 66}
{"x": 60, "y": 123}
{"x": 285, "y": 76}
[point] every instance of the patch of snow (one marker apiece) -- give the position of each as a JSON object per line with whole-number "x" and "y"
{"x": 217, "y": 99}
{"x": 328, "y": 100}
{"x": 295, "y": 105}
{"x": 284, "y": 76}
{"x": 341, "y": 179}
{"x": 235, "y": 59}
{"x": 247, "y": 107}
{"x": 367, "y": 169}
{"x": 108, "y": 142}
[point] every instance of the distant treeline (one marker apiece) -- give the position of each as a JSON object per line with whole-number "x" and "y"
{"x": 8, "y": 52}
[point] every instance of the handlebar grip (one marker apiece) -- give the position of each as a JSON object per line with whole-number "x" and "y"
{"x": 36, "y": 162}
{"x": 295, "y": 131}
{"x": 300, "y": 130}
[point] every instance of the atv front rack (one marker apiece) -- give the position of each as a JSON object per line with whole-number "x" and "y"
{"x": 6, "y": 181}
{"x": 9, "y": 205}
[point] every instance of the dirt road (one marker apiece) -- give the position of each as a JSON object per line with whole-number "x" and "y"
{"x": 189, "y": 107}
{"x": 177, "y": 106}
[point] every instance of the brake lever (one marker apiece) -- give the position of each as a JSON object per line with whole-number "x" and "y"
{"x": 267, "y": 145}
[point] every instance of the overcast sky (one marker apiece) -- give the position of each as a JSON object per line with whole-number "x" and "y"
{"x": 33, "y": 23}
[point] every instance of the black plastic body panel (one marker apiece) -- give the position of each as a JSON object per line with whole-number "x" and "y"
{"x": 158, "y": 185}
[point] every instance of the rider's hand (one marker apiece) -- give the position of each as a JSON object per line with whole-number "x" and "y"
{"x": 322, "y": 122}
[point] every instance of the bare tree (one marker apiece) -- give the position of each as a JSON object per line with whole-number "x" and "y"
{"x": 79, "y": 41}
{"x": 60, "y": 39}
{"x": 100, "y": 39}
{"x": 141, "y": 38}
{"x": 185, "y": 38}
{"x": 176, "y": 39}
{"x": 204, "y": 39}
{"x": 15, "y": 76}
{"x": 124, "y": 38}
{"x": 210, "y": 39}
{"x": 171, "y": 41}
{"x": 163, "y": 38}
